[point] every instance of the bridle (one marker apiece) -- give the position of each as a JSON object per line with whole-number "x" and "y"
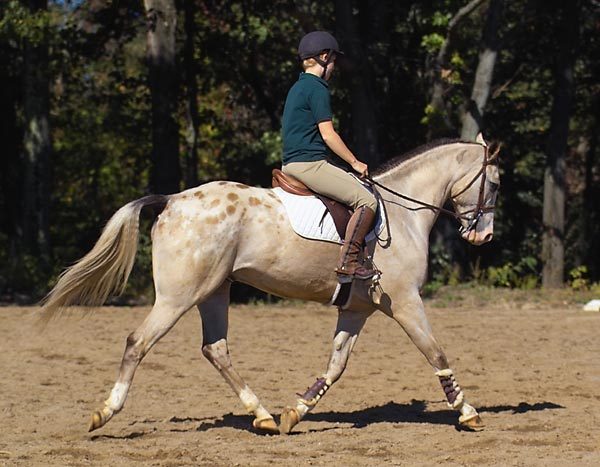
{"x": 473, "y": 216}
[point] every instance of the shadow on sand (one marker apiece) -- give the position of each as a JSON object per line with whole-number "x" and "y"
{"x": 416, "y": 412}
{"x": 392, "y": 412}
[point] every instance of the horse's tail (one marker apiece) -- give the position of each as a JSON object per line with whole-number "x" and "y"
{"x": 105, "y": 269}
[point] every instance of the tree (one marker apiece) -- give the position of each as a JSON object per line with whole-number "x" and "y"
{"x": 554, "y": 176}
{"x": 161, "y": 16}
{"x": 360, "y": 77}
{"x": 437, "y": 115}
{"x": 191, "y": 97}
{"x": 472, "y": 119}
{"x": 37, "y": 145}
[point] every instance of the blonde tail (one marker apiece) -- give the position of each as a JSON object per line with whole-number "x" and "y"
{"x": 105, "y": 269}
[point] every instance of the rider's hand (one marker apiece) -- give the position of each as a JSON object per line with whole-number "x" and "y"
{"x": 360, "y": 167}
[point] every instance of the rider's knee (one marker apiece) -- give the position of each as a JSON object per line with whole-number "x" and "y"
{"x": 368, "y": 200}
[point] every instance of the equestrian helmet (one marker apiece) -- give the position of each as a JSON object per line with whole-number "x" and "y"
{"x": 313, "y": 43}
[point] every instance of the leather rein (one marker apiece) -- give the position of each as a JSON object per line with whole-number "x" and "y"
{"x": 472, "y": 215}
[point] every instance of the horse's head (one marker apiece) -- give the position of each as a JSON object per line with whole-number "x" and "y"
{"x": 474, "y": 197}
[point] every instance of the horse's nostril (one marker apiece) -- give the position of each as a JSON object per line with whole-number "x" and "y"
{"x": 488, "y": 237}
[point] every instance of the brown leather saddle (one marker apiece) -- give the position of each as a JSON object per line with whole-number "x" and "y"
{"x": 339, "y": 212}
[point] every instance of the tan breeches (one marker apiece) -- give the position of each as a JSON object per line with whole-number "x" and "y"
{"x": 331, "y": 181}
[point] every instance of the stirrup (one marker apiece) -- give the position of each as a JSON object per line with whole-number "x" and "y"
{"x": 345, "y": 278}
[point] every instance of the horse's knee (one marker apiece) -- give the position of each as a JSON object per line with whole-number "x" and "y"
{"x": 134, "y": 351}
{"x": 217, "y": 353}
{"x": 439, "y": 361}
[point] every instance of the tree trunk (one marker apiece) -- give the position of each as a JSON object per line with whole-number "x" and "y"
{"x": 358, "y": 71}
{"x": 590, "y": 251}
{"x": 36, "y": 145}
{"x": 165, "y": 174}
{"x": 192, "y": 117}
{"x": 554, "y": 176}
{"x": 438, "y": 120}
{"x": 11, "y": 173}
{"x": 472, "y": 119}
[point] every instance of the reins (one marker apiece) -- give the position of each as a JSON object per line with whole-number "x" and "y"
{"x": 478, "y": 210}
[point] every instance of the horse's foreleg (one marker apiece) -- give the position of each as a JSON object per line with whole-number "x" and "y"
{"x": 214, "y": 313}
{"x": 160, "y": 320}
{"x": 411, "y": 317}
{"x": 348, "y": 328}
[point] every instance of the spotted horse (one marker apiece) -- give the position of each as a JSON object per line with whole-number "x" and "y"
{"x": 205, "y": 238}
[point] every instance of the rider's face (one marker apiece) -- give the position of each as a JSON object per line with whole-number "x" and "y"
{"x": 330, "y": 67}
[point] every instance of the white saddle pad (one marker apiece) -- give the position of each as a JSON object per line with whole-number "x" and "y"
{"x": 308, "y": 218}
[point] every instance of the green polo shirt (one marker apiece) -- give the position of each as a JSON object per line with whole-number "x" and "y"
{"x": 307, "y": 104}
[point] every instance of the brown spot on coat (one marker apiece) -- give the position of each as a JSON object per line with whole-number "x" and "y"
{"x": 222, "y": 216}
{"x": 222, "y": 183}
{"x": 230, "y": 209}
{"x": 215, "y": 202}
{"x": 241, "y": 186}
{"x": 232, "y": 197}
{"x": 212, "y": 220}
{"x": 199, "y": 195}
{"x": 254, "y": 201}
{"x": 271, "y": 194}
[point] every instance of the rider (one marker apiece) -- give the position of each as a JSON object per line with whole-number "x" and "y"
{"x": 308, "y": 131}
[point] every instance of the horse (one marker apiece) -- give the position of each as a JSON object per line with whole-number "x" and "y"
{"x": 207, "y": 237}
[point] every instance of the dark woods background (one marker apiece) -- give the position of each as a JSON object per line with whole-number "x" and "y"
{"x": 104, "y": 101}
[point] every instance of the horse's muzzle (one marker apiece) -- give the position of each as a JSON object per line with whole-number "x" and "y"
{"x": 479, "y": 237}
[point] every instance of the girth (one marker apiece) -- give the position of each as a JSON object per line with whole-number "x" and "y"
{"x": 339, "y": 212}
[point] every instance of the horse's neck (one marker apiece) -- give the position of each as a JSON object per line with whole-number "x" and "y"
{"x": 427, "y": 177}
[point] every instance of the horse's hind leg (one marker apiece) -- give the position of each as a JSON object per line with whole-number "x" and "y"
{"x": 215, "y": 313}
{"x": 161, "y": 319}
{"x": 347, "y": 330}
{"x": 410, "y": 315}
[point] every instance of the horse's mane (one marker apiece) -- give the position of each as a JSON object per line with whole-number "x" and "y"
{"x": 396, "y": 161}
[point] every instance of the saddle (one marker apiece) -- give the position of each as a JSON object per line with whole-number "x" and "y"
{"x": 339, "y": 212}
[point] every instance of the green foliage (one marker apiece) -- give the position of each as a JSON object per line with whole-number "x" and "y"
{"x": 522, "y": 275}
{"x": 578, "y": 279}
{"x": 244, "y": 64}
{"x": 432, "y": 42}
{"x": 18, "y": 23}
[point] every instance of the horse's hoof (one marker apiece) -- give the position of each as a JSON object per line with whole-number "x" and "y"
{"x": 472, "y": 423}
{"x": 99, "y": 418}
{"x": 289, "y": 419}
{"x": 266, "y": 425}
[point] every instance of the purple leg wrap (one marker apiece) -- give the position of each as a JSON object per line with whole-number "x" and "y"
{"x": 315, "y": 392}
{"x": 450, "y": 388}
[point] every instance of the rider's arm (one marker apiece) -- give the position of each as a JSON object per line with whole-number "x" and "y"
{"x": 337, "y": 145}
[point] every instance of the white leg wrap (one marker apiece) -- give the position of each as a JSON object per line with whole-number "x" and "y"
{"x": 302, "y": 409}
{"x": 253, "y": 405}
{"x": 117, "y": 397}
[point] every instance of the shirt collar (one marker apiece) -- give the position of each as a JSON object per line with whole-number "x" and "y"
{"x": 305, "y": 75}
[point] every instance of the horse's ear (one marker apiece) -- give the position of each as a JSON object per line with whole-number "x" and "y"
{"x": 495, "y": 151}
{"x": 480, "y": 139}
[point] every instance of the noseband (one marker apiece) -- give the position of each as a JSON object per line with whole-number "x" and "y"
{"x": 472, "y": 215}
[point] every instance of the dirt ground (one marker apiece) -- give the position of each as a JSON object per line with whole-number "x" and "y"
{"x": 529, "y": 366}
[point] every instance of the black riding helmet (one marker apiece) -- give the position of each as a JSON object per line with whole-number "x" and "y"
{"x": 317, "y": 42}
